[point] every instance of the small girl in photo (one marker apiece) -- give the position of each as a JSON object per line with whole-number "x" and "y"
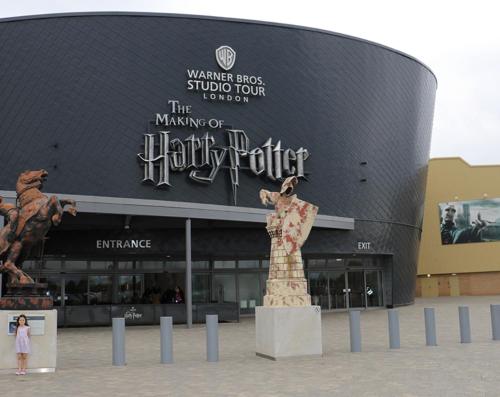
{"x": 23, "y": 344}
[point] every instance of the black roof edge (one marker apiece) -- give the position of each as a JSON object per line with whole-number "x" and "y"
{"x": 225, "y": 19}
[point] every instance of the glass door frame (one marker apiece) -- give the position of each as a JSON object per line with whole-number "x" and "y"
{"x": 347, "y": 288}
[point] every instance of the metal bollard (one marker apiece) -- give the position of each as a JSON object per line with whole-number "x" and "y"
{"x": 464, "y": 320}
{"x": 355, "y": 330}
{"x": 212, "y": 322}
{"x": 393, "y": 317}
{"x": 119, "y": 342}
{"x": 430, "y": 327}
{"x": 495, "y": 321}
{"x": 166, "y": 345}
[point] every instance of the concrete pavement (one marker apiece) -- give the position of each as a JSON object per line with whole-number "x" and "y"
{"x": 449, "y": 369}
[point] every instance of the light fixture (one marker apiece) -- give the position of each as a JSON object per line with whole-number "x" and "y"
{"x": 428, "y": 275}
{"x": 128, "y": 218}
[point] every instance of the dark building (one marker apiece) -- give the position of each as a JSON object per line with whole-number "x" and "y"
{"x": 165, "y": 127}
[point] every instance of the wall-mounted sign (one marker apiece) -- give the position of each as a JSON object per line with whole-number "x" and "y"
{"x": 203, "y": 156}
{"x": 226, "y": 57}
{"x": 223, "y": 86}
{"x": 132, "y": 314}
{"x": 123, "y": 244}
{"x": 473, "y": 221}
{"x": 364, "y": 245}
{"x": 36, "y": 323}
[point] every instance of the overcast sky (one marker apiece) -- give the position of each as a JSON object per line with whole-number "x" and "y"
{"x": 459, "y": 41}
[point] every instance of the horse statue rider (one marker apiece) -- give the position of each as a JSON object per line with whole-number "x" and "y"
{"x": 27, "y": 223}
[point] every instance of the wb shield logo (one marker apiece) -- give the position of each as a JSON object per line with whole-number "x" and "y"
{"x": 225, "y": 56}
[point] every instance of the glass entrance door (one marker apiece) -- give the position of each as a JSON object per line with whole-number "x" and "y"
{"x": 346, "y": 289}
{"x": 373, "y": 289}
{"x": 338, "y": 292}
{"x": 318, "y": 287}
{"x": 355, "y": 289}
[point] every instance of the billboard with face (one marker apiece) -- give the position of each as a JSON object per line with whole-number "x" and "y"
{"x": 471, "y": 221}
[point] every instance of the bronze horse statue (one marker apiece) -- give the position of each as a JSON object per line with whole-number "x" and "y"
{"x": 28, "y": 223}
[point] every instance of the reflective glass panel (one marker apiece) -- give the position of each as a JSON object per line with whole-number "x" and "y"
{"x": 30, "y": 265}
{"x": 332, "y": 262}
{"x": 101, "y": 265}
{"x": 75, "y": 265}
{"x": 337, "y": 290}
{"x": 224, "y": 288}
{"x": 374, "y": 288}
{"x": 201, "y": 288}
{"x": 318, "y": 289}
{"x": 176, "y": 265}
{"x": 53, "y": 288}
{"x": 52, "y": 265}
{"x": 356, "y": 288}
{"x": 125, "y": 265}
{"x": 100, "y": 290}
{"x": 150, "y": 265}
{"x": 76, "y": 290}
{"x": 130, "y": 288}
{"x": 200, "y": 265}
{"x": 249, "y": 292}
{"x": 316, "y": 262}
{"x": 248, "y": 264}
{"x": 224, "y": 264}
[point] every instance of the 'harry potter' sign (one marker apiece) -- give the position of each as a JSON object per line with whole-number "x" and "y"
{"x": 203, "y": 157}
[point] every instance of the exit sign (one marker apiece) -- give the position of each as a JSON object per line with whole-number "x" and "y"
{"x": 364, "y": 245}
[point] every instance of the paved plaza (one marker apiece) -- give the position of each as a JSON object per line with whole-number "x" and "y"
{"x": 450, "y": 369}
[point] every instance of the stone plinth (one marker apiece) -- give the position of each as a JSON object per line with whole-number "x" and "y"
{"x": 26, "y": 303}
{"x": 43, "y": 355}
{"x": 284, "y": 332}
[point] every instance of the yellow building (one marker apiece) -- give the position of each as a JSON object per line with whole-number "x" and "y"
{"x": 460, "y": 245}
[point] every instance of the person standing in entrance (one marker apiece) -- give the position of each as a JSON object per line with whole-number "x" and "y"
{"x": 23, "y": 344}
{"x": 179, "y": 295}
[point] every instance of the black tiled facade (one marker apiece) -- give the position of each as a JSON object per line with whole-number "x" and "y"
{"x": 77, "y": 93}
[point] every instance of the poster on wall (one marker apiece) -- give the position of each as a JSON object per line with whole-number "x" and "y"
{"x": 35, "y": 321}
{"x": 471, "y": 221}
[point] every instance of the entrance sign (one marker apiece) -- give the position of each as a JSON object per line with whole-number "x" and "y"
{"x": 124, "y": 244}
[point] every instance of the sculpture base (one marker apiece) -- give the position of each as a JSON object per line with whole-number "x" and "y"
{"x": 26, "y": 303}
{"x": 32, "y": 289}
{"x": 43, "y": 355}
{"x": 285, "y": 332}
{"x": 26, "y": 297}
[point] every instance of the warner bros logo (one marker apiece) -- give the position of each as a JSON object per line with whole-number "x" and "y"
{"x": 225, "y": 57}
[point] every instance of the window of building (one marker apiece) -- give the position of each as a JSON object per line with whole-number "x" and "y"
{"x": 52, "y": 265}
{"x": 248, "y": 264}
{"x": 100, "y": 290}
{"x": 249, "y": 288}
{"x": 224, "y": 288}
{"x": 76, "y": 290}
{"x": 101, "y": 265}
{"x": 130, "y": 288}
{"x": 224, "y": 264}
{"x": 75, "y": 265}
{"x": 201, "y": 288}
